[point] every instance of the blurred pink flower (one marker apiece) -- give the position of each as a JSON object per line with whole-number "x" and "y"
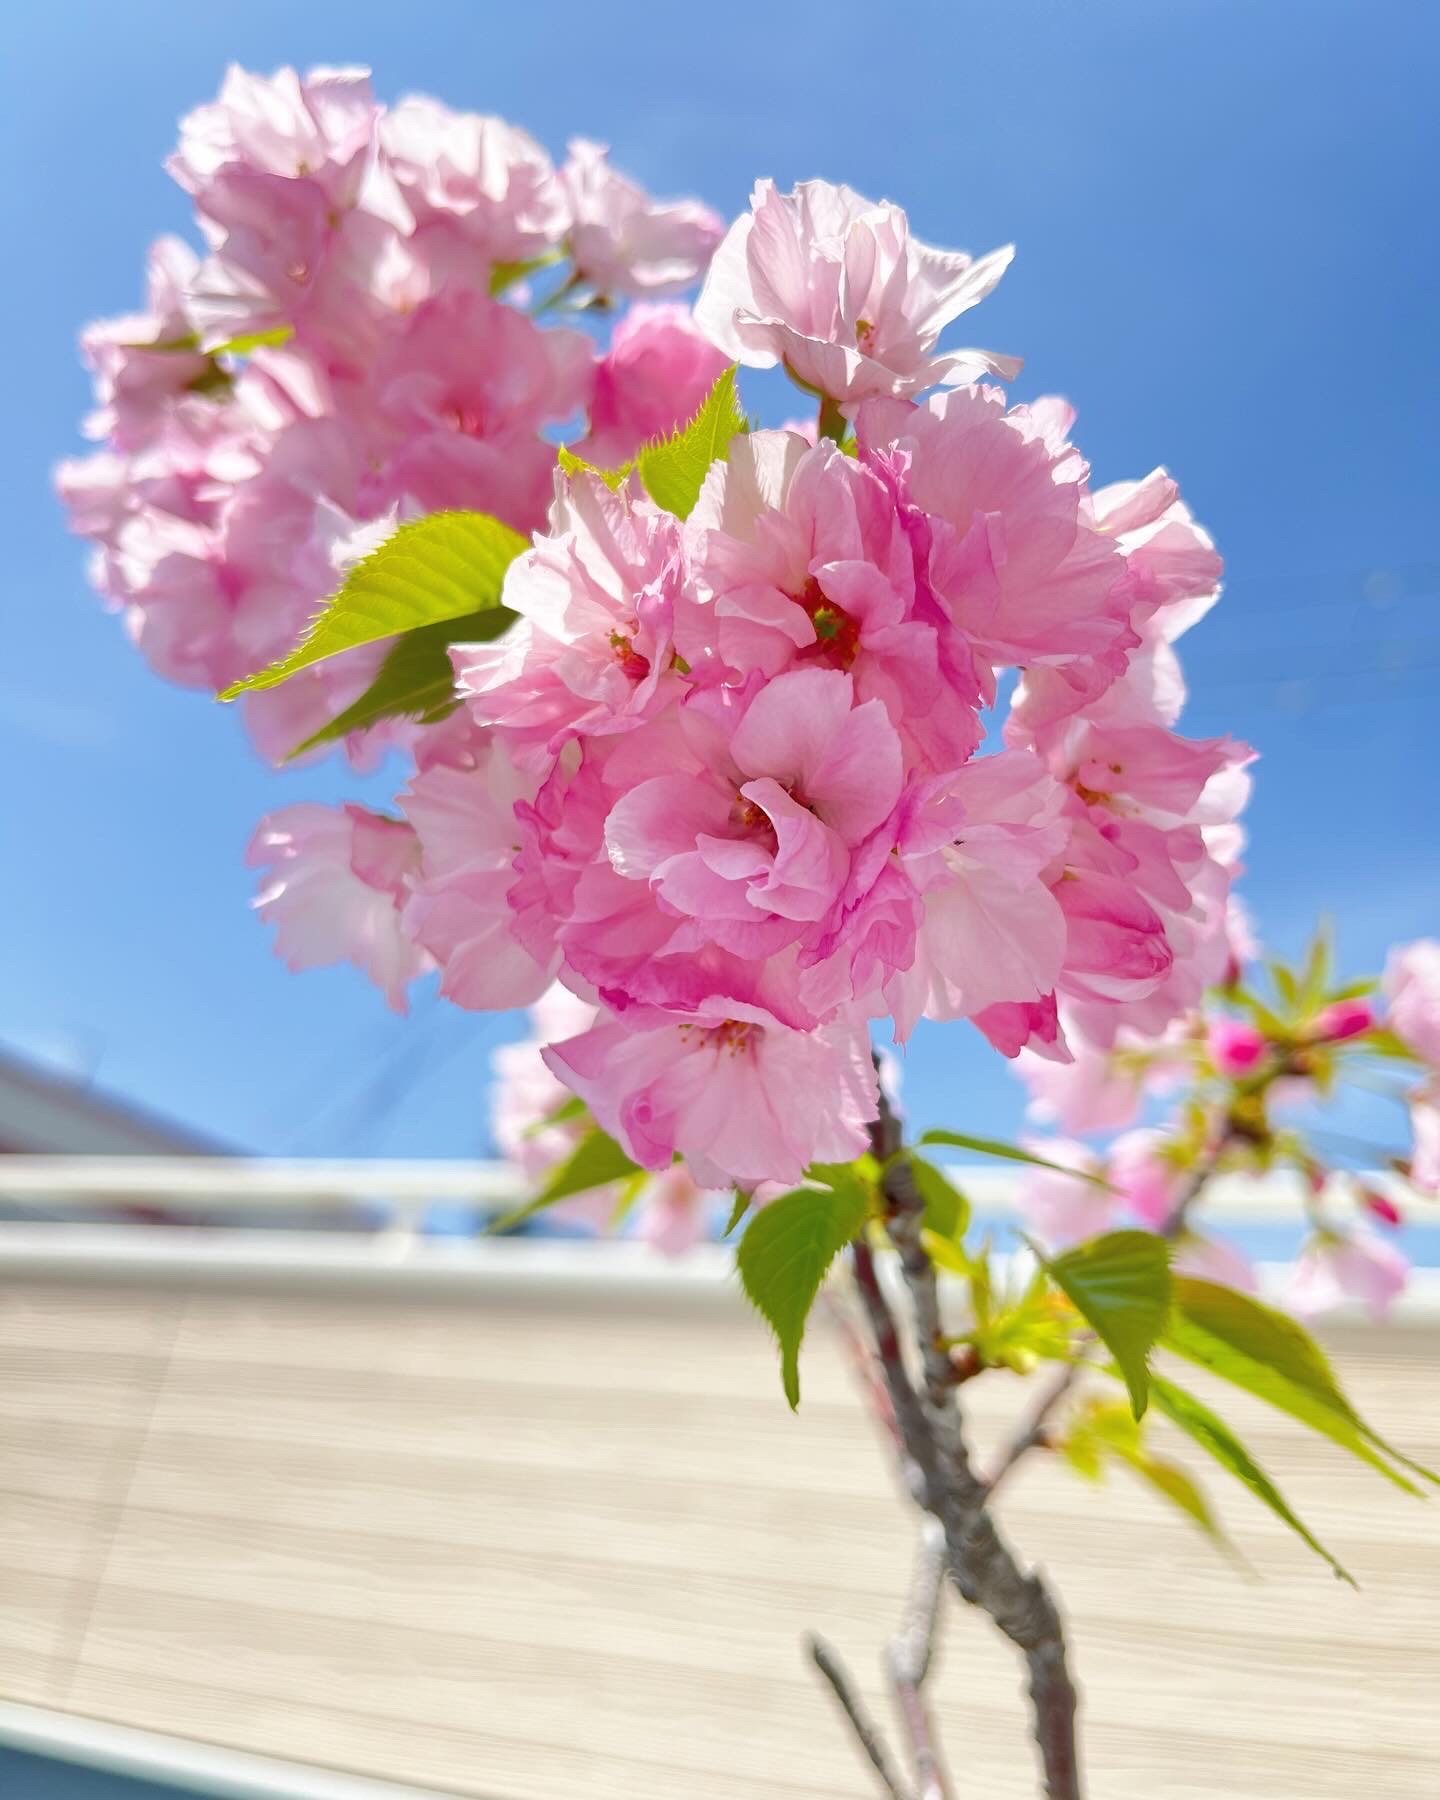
{"x": 1358, "y": 1266}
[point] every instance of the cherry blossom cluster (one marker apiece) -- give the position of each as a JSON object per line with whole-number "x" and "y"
{"x": 882, "y": 730}
{"x": 355, "y": 344}
{"x": 723, "y": 777}
{"x": 1239, "y": 1086}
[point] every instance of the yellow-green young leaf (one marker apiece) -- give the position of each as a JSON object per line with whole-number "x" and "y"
{"x": 1270, "y": 1355}
{"x": 1104, "y": 1430}
{"x": 595, "y": 1162}
{"x": 783, "y": 1257}
{"x": 255, "y": 340}
{"x": 1216, "y": 1438}
{"x": 1120, "y": 1284}
{"x": 674, "y": 469}
{"x": 505, "y": 274}
{"x": 433, "y": 569}
{"x": 416, "y": 680}
{"x": 947, "y": 1211}
{"x": 576, "y": 465}
{"x": 1009, "y": 1152}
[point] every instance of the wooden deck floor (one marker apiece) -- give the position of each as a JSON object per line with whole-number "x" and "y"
{"x": 496, "y": 1549}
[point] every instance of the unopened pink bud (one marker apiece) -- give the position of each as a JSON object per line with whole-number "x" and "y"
{"x": 1345, "y": 1019}
{"x": 1381, "y": 1206}
{"x": 1235, "y": 1047}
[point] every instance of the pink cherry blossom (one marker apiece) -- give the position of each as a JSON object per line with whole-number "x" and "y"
{"x": 837, "y": 289}
{"x": 800, "y": 557}
{"x": 1212, "y": 1259}
{"x": 336, "y": 883}
{"x": 998, "y": 517}
{"x": 463, "y": 815}
{"x": 593, "y": 647}
{"x": 1101, "y": 1089}
{"x": 622, "y": 241}
{"x": 1424, "y": 1166}
{"x": 475, "y": 186}
{"x": 666, "y": 1085}
{"x": 1149, "y": 1179}
{"x": 992, "y": 931}
{"x": 1412, "y": 987}
{"x": 1064, "y": 1209}
{"x": 461, "y": 396}
{"x": 651, "y": 381}
{"x": 1358, "y": 1267}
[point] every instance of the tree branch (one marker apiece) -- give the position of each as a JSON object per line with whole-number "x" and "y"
{"x": 830, "y": 1666}
{"x": 909, "y": 1657}
{"x": 980, "y": 1564}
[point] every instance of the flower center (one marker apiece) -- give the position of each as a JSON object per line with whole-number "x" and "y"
{"x": 631, "y": 662}
{"x": 837, "y": 635}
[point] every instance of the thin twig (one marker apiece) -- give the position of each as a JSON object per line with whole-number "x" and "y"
{"x": 1035, "y": 1431}
{"x": 909, "y": 1658}
{"x": 830, "y": 1666}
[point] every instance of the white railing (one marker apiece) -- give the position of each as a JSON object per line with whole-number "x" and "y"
{"x": 375, "y": 1212}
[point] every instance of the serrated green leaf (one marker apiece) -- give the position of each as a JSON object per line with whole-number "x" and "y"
{"x": 784, "y": 1255}
{"x": 255, "y": 340}
{"x": 674, "y": 469}
{"x": 1217, "y": 1440}
{"x": 416, "y": 679}
{"x": 947, "y": 1211}
{"x": 576, "y": 465}
{"x": 1009, "y": 1152}
{"x": 595, "y": 1162}
{"x": 1120, "y": 1284}
{"x": 1270, "y": 1355}
{"x": 737, "y": 1212}
{"x": 432, "y": 569}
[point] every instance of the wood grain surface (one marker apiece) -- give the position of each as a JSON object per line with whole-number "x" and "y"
{"x": 507, "y": 1552}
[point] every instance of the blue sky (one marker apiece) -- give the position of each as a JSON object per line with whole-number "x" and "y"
{"x": 1226, "y": 228}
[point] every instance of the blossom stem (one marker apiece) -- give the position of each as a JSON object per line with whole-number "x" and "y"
{"x": 831, "y": 422}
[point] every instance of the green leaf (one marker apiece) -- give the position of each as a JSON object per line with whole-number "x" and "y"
{"x": 416, "y": 679}
{"x": 1106, "y": 1430}
{"x": 1120, "y": 1283}
{"x": 783, "y": 1257}
{"x": 596, "y": 1161}
{"x": 1010, "y": 1152}
{"x": 577, "y": 465}
{"x": 505, "y": 274}
{"x": 255, "y": 340}
{"x": 737, "y": 1212}
{"x": 1216, "y": 1438}
{"x": 1286, "y": 985}
{"x": 1268, "y": 1354}
{"x": 947, "y": 1211}
{"x": 1315, "y": 977}
{"x": 674, "y": 469}
{"x": 437, "y": 568}
{"x": 573, "y": 1108}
